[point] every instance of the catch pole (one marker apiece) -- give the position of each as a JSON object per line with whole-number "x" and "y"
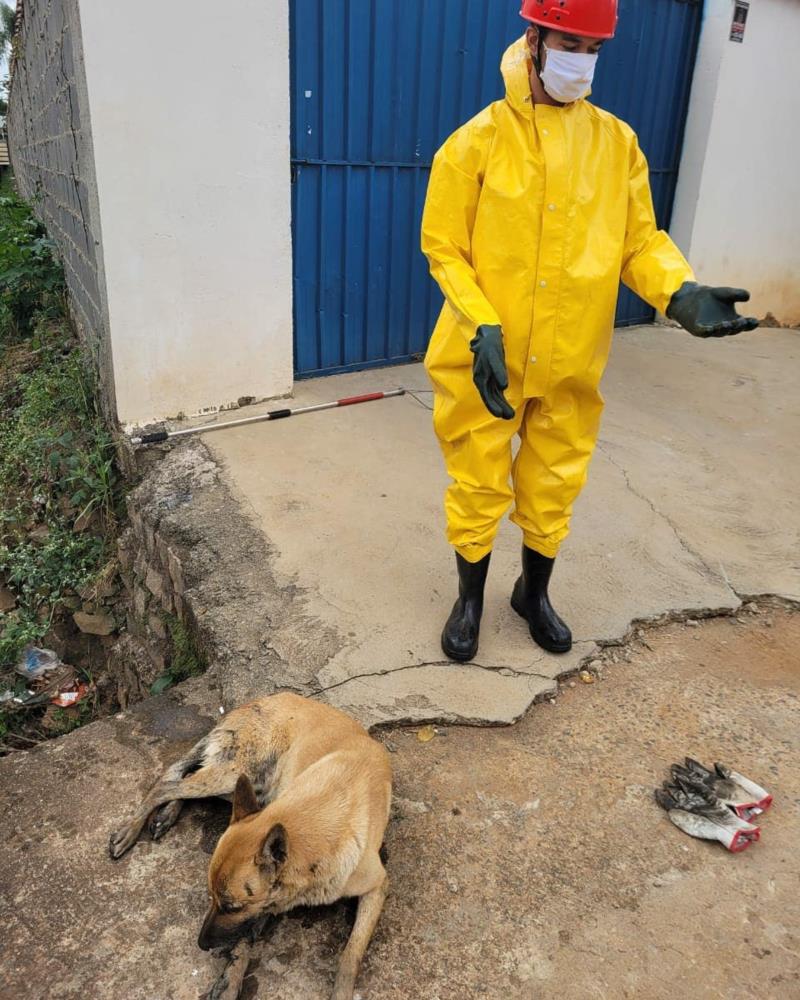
{"x": 158, "y": 437}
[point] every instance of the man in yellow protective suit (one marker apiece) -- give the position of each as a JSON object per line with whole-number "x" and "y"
{"x": 535, "y": 210}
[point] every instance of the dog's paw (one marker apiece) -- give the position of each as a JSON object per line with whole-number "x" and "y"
{"x": 121, "y": 841}
{"x": 224, "y": 988}
{"x": 229, "y": 984}
{"x": 164, "y": 818}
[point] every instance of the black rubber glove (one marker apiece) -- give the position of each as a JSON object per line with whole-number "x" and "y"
{"x": 489, "y": 370}
{"x": 709, "y": 312}
{"x": 743, "y": 796}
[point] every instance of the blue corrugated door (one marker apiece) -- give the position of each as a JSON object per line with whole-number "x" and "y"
{"x": 377, "y": 85}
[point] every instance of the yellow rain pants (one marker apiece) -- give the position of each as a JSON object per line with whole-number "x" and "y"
{"x": 533, "y": 215}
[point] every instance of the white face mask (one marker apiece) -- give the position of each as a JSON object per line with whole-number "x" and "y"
{"x": 568, "y": 76}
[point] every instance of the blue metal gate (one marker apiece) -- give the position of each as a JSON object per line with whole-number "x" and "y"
{"x": 377, "y": 85}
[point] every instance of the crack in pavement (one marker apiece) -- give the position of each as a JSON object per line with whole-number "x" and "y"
{"x": 676, "y": 615}
{"x": 506, "y": 671}
{"x": 598, "y": 647}
{"x": 660, "y": 514}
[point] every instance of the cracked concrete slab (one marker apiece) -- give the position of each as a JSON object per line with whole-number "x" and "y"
{"x": 442, "y": 692}
{"x": 689, "y": 505}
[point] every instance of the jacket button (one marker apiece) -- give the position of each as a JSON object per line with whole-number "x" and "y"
{"x": 533, "y": 361}
{"x": 543, "y": 284}
{"x": 552, "y": 207}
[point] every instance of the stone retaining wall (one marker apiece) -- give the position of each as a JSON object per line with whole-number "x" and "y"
{"x": 152, "y": 574}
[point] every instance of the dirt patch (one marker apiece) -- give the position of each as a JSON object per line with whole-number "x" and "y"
{"x": 543, "y": 866}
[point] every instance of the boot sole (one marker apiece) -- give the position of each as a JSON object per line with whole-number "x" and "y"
{"x": 549, "y": 647}
{"x": 458, "y": 657}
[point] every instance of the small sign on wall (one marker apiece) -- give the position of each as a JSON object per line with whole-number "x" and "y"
{"x": 740, "y": 9}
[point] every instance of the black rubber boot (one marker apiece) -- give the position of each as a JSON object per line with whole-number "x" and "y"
{"x": 460, "y": 636}
{"x": 531, "y": 602}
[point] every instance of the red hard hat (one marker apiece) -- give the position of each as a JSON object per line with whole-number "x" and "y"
{"x": 597, "y": 18}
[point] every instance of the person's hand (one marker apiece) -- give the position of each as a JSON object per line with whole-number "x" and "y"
{"x": 710, "y": 312}
{"x": 489, "y": 370}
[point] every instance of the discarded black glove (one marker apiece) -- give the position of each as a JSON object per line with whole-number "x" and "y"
{"x": 710, "y": 312}
{"x": 701, "y": 814}
{"x": 744, "y": 797}
{"x": 489, "y": 370}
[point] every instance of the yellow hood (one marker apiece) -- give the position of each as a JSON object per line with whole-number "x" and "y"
{"x": 516, "y": 69}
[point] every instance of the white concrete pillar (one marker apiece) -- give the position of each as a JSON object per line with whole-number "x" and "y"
{"x": 735, "y": 213}
{"x": 189, "y": 104}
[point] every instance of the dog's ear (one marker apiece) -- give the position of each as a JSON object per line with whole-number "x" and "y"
{"x": 274, "y": 849}
{"x": 244, "y": 799}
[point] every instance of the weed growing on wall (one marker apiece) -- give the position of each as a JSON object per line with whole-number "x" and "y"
{"x": 186, "y": 660}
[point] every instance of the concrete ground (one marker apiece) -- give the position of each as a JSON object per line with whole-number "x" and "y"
{"x": 527, "y": 862}
{"x": 691, "y": 503}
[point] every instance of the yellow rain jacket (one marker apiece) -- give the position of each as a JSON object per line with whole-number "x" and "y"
{"x": 533, "y": 215}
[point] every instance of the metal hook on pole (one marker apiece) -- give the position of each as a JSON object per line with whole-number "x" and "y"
{"x": 158, "y": 437}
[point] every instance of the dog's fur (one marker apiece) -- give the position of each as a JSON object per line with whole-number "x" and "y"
{"x": 311, "y": 794}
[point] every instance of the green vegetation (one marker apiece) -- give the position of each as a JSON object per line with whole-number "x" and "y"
{"x": 7, "y": 19}
{"x": 186, "y": 661}
{"x": 31, "y": 279}
{"x": 63, "y": 722}
{"x": 59, "y": 491}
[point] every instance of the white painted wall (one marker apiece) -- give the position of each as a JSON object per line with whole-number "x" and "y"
{"x": 190, "y": 117}
{"x": 736, "y": 210}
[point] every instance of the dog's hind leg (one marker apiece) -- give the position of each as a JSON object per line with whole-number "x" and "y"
{"x": 203, "y": 773}
{"x": 219, "y": 779}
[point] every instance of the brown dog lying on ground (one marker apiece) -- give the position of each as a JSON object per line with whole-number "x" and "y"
{"x": 311, "y": 795}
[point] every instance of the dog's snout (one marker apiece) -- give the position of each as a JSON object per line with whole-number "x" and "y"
{"x": 221, "y": 931}
{"x": 207, "y": 938}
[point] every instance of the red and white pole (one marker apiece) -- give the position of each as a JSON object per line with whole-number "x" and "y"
{"x": 160, "y": 436}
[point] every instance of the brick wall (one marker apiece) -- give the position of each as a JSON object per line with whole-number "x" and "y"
{"x": 51, "y": 152}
